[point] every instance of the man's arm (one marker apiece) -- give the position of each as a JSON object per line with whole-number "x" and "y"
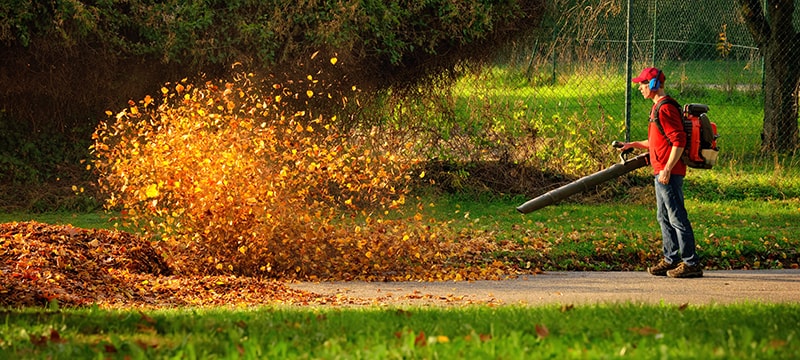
{"x": 643, "y": 144}
{"x": 674, "y": 156}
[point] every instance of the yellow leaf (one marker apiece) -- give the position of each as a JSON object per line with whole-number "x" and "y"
{"x": 151, "y": 191}
{"x": 334, "y": 60}
{"x": 310, "y": 93}
{"x": 164, "y": 90}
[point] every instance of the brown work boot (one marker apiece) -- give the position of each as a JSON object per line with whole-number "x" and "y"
{"x": 686, "y": 271}
{"x": 661, "y": 268}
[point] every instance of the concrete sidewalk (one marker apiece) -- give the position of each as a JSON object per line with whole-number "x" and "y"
{"x": 575, "y": 288}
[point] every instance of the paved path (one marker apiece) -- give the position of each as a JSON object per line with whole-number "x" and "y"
{"x": 574, "y": 288}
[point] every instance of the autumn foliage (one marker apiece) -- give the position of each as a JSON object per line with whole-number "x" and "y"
{"x": 61, "y": 265}
{"x": 229, "y": 179}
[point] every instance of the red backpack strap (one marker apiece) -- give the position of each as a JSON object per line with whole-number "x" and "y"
{"x": 665, "y": 100}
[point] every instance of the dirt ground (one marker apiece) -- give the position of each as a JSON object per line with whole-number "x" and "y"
{"x": 575, "y": 288}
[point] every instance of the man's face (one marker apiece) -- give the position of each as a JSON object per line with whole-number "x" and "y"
{"x": 644, "y": 88}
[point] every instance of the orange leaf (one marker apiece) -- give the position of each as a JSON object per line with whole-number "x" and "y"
{"x": 542, "y": 331}
{"x": 421, "y": 340}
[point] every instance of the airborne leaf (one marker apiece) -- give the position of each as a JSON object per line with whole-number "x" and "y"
{"x": 152, "y": 191}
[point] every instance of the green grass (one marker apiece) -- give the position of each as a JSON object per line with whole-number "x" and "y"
{"x": 90, "y": 220}
{"x": 747, "y": 233}
{"x": 509, "y": 332}
{"x": 595, "y": 92}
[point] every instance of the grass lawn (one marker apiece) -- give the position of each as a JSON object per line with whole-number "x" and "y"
{"x": 510, "y": 332}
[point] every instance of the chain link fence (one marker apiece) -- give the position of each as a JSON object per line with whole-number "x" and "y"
{"x": 576, "y": 66}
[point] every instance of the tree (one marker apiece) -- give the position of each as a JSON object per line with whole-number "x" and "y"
{"x": 63, "y": 63}
{"x": 779, "y": 42}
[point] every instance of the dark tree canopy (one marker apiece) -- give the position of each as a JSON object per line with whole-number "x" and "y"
{"x": 65, "y": 62}
{"x": 388, "y": 40}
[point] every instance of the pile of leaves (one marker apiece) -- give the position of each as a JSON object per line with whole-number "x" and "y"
{"x": 42, "y": 264}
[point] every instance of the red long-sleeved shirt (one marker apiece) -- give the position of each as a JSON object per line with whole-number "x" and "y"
{"x": 660, "y": 146}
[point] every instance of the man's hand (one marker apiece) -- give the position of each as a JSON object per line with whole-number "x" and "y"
{"x": 622, "y": 146}
{"x": 663, "y": 176}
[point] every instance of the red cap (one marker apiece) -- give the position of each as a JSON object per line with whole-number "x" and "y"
{"x": 649, "y": 74}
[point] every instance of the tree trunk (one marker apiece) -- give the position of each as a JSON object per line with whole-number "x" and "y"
{"x": 782, "y": 75}
{"x": 780, "y": 44}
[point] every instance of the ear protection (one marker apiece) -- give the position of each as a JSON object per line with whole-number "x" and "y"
{"x": 655, "y": 82}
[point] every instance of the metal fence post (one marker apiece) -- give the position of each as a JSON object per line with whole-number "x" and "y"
{"x": 553, "y": 59}
{"x": 655, "y": 31}
{"x": 628, "y": 41}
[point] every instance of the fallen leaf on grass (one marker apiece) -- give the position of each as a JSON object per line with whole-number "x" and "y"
{"x": 542, "y": 331}
{"x": 646, "y": 331}
{"x": 420, "y": 340}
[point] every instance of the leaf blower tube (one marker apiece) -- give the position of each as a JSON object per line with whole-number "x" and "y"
{"x": 587, "y": 182}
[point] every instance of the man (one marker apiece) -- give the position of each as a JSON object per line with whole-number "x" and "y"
{"x": 665, "y": 145}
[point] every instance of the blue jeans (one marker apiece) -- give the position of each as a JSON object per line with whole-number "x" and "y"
{"x": 676, "y": 230}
